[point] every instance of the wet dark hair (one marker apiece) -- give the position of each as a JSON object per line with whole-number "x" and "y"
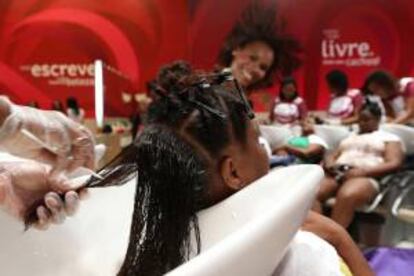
{"x": 258, "y": 23}
{"x": 72, "y": 103}
{"x": 172, "y": 76}
{"x": 283, "y": 83}
{"x": 173, "y": 157}
{"x": 381, "y": 78}
{"x": 337, "y": 80}
{"x": 373, "y": 108}
{"x": 149, "y": 89}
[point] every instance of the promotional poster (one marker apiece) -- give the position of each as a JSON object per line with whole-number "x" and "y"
{"x": 48, "y": 47}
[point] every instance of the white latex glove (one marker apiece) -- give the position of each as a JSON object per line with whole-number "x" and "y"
{"x": 71, "y": 144}
{"x": 22, "y": 183}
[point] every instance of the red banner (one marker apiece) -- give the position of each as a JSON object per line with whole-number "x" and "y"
{"x": 47, "y": 47}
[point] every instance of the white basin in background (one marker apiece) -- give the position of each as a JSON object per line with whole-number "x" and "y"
{"x": 276, "y": 136}
{"x": 405, "y": 133}
{"x": 262, "y": 218}
{"x": 332, "y": 135}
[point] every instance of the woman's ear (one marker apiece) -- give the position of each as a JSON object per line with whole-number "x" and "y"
{"x": 230, "y": 173}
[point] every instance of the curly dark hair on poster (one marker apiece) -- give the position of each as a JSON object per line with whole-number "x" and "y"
{"x": 173, "y": 158}
{"x": 259, "y": 22}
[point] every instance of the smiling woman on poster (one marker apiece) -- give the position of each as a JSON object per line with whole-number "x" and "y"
{"x": 257, "y": 48}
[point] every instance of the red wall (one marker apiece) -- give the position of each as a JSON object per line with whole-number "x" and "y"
{"x": 46, "y": 46}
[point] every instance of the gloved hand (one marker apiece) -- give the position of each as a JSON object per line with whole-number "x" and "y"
{"x": 22, "y": 183}
{"x": 70, "y": 144}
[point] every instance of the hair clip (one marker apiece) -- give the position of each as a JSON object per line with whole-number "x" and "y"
{"x": 226, "y": 75}
{"x": 222, "y": 76}
{"x": 191, "y": 99}
{"x": 240, "y": 91}
{"x": 208, "y": 108}
{"x": 158, "y": 90}
{"x": 185, "y": 98}
{"x": 203, "y": 84}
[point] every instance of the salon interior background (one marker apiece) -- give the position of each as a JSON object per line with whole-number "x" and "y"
{"x": 47, "y": 46}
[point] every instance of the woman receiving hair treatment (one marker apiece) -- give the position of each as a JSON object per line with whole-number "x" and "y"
{"x": 193, "y": 153}
{"x": 199, "y": 147}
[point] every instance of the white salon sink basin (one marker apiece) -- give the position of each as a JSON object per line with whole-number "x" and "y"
{"x": 247, "y": 233}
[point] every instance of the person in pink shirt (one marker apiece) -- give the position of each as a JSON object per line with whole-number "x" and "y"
{"x": 345, "y": 103}
{"x": 398, "y": 100}
{"x": 288, "y": 107}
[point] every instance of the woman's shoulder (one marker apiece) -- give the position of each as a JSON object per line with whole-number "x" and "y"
{"x": 386, "y": 136}
{"x": 408, "y": 90}
{"x": 299, "y": 100}
{"x": 353, "y": 93}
